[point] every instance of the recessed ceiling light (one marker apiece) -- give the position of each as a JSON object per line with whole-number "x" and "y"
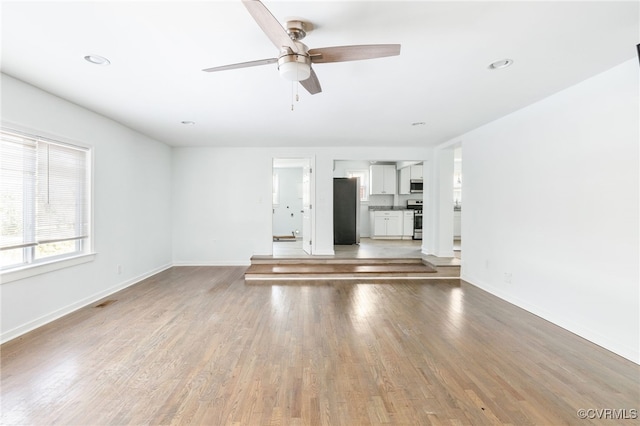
{"x": 97, "y": 60}
{"x": 188, "y": 123}
{"x": 504, "y": 63}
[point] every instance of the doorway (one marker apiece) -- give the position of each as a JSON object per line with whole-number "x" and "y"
{"x": 457, "y": 202}
{"x": 292, "y": 206}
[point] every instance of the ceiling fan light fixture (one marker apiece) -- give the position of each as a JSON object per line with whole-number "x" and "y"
{"x": 294, "y": 67}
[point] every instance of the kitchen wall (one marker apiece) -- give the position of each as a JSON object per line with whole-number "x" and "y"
{"x": 132, "y": 209}
{"x": 551, "y": 195}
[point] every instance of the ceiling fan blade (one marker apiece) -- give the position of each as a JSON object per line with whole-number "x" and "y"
{"x": 353, "y": 53}
{"x": 243, "y": 65}
{"x": 270, "y": 25}
{"x": 312, "y": 84}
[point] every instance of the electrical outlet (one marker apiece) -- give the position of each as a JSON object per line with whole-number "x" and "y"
{"x": 119, "y": 269}
{"x": 508, "y": 276}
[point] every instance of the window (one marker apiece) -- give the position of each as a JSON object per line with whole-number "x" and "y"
{"x": 364, "y": 182}
{"x": 44, "y": 200}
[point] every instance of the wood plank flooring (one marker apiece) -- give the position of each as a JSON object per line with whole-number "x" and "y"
{"x": 368, "y": 248}
{"x": 198, "y": 345}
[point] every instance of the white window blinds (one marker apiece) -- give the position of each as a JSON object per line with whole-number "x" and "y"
{"x": 17, "y": 203}
{"x": 43, "y": 191}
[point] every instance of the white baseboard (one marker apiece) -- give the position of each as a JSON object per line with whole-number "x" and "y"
{"x": 45, "y": 319}
{"x": 216, "y": 263}
{"x": 632, "y": 354}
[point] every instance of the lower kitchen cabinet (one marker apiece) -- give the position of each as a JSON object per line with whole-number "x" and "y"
{"x": 386, "y": 224}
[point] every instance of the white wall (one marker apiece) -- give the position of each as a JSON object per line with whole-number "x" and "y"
{"x": 222, "y": 199}
{"x": 221, "y": 205}
{"x": 132, "y": 220}
{"x": 438, "y": 219}
{"x": 551, "y": 197}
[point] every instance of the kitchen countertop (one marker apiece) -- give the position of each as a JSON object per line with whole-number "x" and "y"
{"x": 387, "y": 208}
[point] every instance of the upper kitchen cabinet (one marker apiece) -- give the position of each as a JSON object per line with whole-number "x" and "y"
{"x": 416, "y": 171}
{"x": 382, "y": 179}
{"x": 404, "y": 186}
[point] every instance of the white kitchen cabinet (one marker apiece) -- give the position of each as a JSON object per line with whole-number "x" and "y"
{"x": 382, "y": 179}
{"x": 407, "y": 225}
{"x": 379, "y": 226}
{"x": 404, "y": 185}
{"x": 416, "y": 171}
{"x": 386, "y": 224}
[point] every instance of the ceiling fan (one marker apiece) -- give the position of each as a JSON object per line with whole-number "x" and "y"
{"x": 295, "y": 58}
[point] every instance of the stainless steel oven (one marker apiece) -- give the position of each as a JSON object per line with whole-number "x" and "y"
{"x": 416, "y": 206}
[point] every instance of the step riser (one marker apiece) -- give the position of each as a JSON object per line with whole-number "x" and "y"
{"x": 371, "y": 276}
{"x": 350, "y": 280}
{"x": 330, "y": 261}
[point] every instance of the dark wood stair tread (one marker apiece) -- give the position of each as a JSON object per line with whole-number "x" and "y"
{"x": 310, "y": 268}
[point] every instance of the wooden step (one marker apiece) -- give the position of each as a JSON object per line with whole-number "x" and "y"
{"x": 267, "y": 268}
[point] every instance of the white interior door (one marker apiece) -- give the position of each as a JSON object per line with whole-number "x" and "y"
{"x": 306, "y": 208}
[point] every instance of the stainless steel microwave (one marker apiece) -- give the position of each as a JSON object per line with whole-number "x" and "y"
{"x": 415, "y": 185}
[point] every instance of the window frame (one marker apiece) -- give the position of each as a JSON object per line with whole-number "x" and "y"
{"x": 85, "y": 250}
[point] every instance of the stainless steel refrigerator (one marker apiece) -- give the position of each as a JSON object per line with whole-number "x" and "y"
{"x": 346, "y": 211}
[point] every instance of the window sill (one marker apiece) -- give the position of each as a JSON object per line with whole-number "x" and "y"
{"x": 43, "y": 268}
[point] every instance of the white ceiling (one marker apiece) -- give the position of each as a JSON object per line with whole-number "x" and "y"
{"x": 158, "y": 49}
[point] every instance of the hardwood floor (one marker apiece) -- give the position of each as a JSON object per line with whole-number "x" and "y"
{"x": 198, "y": 345}
{"x": 368, "y": 248}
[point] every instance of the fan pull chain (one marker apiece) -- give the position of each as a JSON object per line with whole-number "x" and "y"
{"x": 297, "y": 95}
